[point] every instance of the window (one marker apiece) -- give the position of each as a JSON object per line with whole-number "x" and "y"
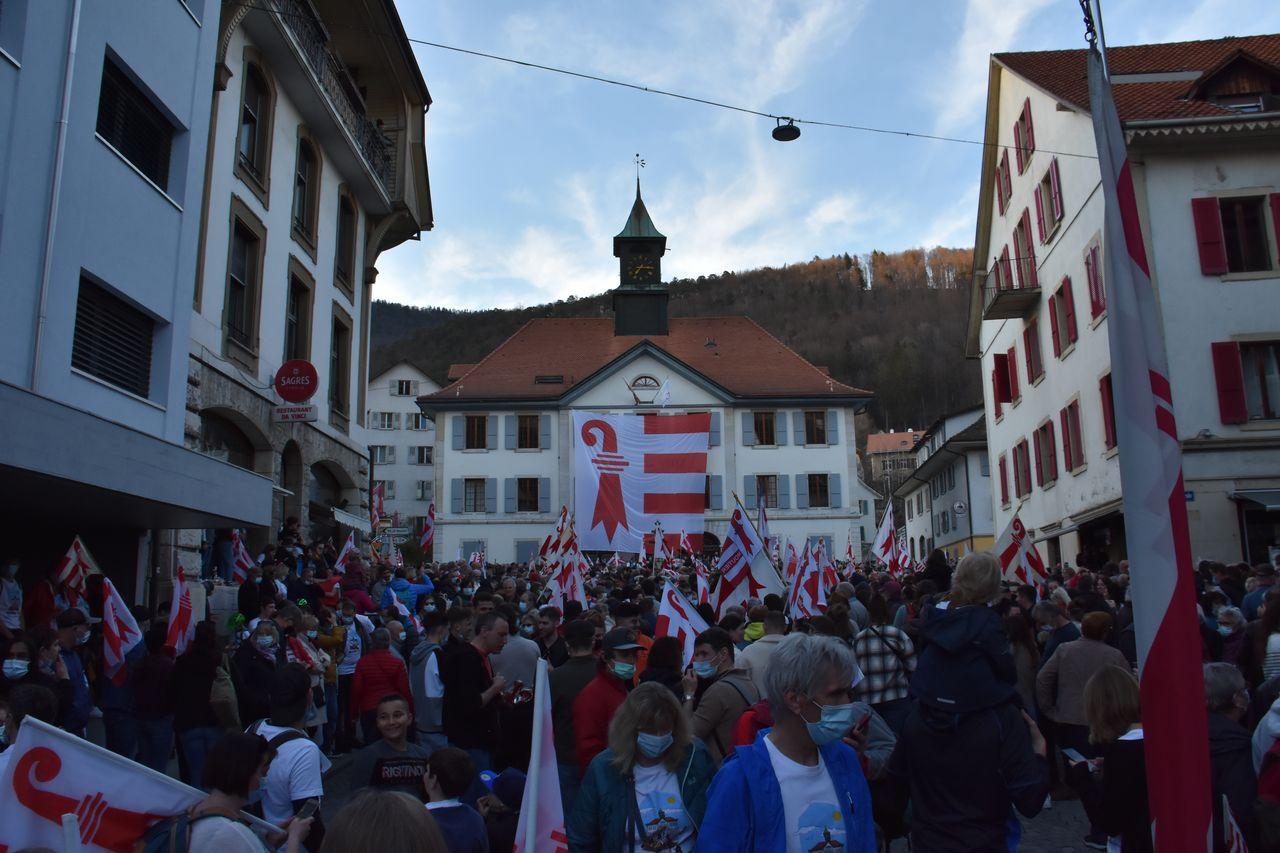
{"x": 244, "y": 273}
{"x": 1025, "y": 250}
{"x": 388, "y": 488}
{"x": 1002, "y": 271}
{"x": 1049, "y": 209}
{"x": 908, "y": 510}
{"x": 473, "y": 494}
{"x": 527, "y": 494}
{"x": 815, "y": 427}
{"x": 1046, "y": 455}
{"x": 818, "y": 494}
{"x": 1024, "y": 137}
{"x": 764, "y": 423}
{"x": 382, "y": 454}
{"x": 345, "y": 253}
{"x": 1072, "y": 440}
{"x": 418, "y": 421}
{"x": 1021, "y": 469}
{"x": 1248, "y": 380}
{"x": 423, "y": 491}
{"x": 112, "y": 339}
{"x": 1003, "y": 465}
{"x": 919, "y": 503}
{"x": 306, "y": 191}
{"x": 706, "y": 492}
{"x": 1062, "y": 318}
{"x": 420, "y": 455}
{"x": 1015, "y": 392}
{"x": 528, "y": 432}
{"x": 477, "y": 432}
{"x": 1231, "y": 232}
{"x": 767, "y": 490}
{"x": 984, "y": 466}
{"x": 403, "y": 388}
{"x": 1093, "y": 274}
{"x": 1004, "y": 186}
{"x": 340, "y": 368}
{"x": 549, "y": 379}
{"x": 297, "y": 317}
{"x": 1108, "y": 412}
{"x": 1031, "y": 349}
{"x": 130, "y": 123}
{"x": 384, "y": 420}
{"x": 253, "y": 146}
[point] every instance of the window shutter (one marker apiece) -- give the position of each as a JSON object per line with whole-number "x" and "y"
{"x": 1213, "y": 246}
{"x": 1004, "y": 394}
{"x": 1039, "y": 459}
{"x": 1089, "y": 275}
{"x": 459, "y": 431}
{"x": 1228, "y": 370}
{"x": 1004, "y": 481}
{"x": 1068, "y": 452}
{"x": 509, "y": 495}
{"x": 1108, "y": 411}
{"x": 1026, "y": 354}
{"x": 1039, "y": 212}
{"x": 802, "y": 491}
{"x": 1006, "y": 270}
{"x": 1053, "y": 326}
{"x": 749, "y": 491}
{"x": 1017, "y": 144}
{"x": 456, "y": 490}
{"x": 999, "y": 193}
{"x": 1069, "y": 306}
{"x": 717, "y": 492}
{"x": 544, "y": 432}
{"x": 833, "y": 426}
{"x": 780, "y": 429}
{"x": 1274, "y": 198}
{"x": 1006, "y": 178}
{"x": 491, "y": 494}
{"x": 509, "y": 428}
{"x": 491, "y": 432}
{"x": 1031, "y": 131}
{"x": 995, "y": 391}
{"x": 784, "y": 491}
{"x": 713, "y": 439}
{"x": 1030, "y": 261}
{"x": 833, "y": 490}
{"x": 1055, "y": 188}
{"x": 748, "y": 429}
{"x": 798, "y": 437}
{"x": 1050, "y": 453}
{"x": 544, "y": 494}
{"x": 1012, "y": 361}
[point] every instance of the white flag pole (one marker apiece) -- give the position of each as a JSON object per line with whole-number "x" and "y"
{"x": 535, "y": 757}
{"x": 70, "y": 833}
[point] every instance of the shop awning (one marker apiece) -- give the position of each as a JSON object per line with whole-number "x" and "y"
{"x": 1268, "y": 499}
{"x": 351, "y": 519}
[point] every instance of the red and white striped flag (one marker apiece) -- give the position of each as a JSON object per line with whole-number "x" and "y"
{"x": 701, "y": 581}
{"x": 348, "y": 551}
{"x": 1018, "y": 557}
{"x": 762, "y": 519}
{"x": 1155, "y": 511}
{"x": 76, "y": 566}
{"x": 885, "y": 547}
{"x": 677, "y": 618}
{"x": 632, "y": 471}
{"x": 540, "y": 828}
{"x": 685, "y": 544}
{"x": 428, "y": 529}
{"x": 745, "y": 570}
{"x": 119, "y": 632}
{"x": 377, "y": 504}
{"x": 182, "y": 621}
{"x": 808, "y": 596}
{"x": 826, "y": 567}
{"x": 792, "y": 564}
{"x": 241, "y": 559}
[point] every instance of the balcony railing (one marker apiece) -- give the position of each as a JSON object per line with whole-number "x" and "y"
{"x": 1008, "y": 303}
{"x": 311, "y": 36}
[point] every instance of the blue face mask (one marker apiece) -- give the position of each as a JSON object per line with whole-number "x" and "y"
{"x": 704, "y": 668}
{"x": 835, "y": 721}
{"x": 653, "y": 745}
{"x": 524, "y": 606}
{"x": 625, "y": 671}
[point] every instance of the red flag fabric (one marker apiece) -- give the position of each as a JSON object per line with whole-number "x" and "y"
{"x": 428, "y": 528}
{"x": 119, "y": 632}
{"x": 885, "y": 547}
{"x": 377, "y": 504}
{"x": 76, "y": 565}
{"x": 348, "y": 551}
{"x": 677, "y": 618}
{"x": 793, "y": 562}
{"x": 241, "y": 560}
{"x": 1019, "y": 559}
{"x": 745, "y": 570}
{"x": 808, "y": 594}
{"x": 1162, "y": 579}
{"x": 540, "y": 828}
{"x": 182, "y": 622}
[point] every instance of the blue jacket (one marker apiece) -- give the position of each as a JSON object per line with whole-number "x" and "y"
{"x": 744, "y": 805}
{"x": 405, "y": 591}
{"x": 964, "y": 660}
{"x": 599, "y": 821}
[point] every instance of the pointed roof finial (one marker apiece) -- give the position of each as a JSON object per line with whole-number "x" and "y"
{"x": 639, "y": 225}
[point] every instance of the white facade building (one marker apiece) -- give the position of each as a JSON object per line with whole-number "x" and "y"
{"x": 1202, "y": 123}
{"x": 782, "y": 430}
{"x": 401, "y": 441}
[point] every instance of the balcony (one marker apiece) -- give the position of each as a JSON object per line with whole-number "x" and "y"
{"x": 1008, "y": 303}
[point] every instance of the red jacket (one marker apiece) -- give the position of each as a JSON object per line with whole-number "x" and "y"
{"x": 592, "y": 712}
{"x": 379, "y": 673}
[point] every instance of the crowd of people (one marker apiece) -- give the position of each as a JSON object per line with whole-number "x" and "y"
{"x": 379, "y": 708}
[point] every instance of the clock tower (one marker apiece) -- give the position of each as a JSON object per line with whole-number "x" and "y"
{"x": 640, "y": 301}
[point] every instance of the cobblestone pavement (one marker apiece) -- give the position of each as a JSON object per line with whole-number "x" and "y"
{"x": 1060, "y": 829}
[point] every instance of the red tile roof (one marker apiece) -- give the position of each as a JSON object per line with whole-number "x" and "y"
{"x": 457, "y": 371}
{"x": 733, "y": 352}
{"x": 892, "y": 442}
{"x": 1063, "y": 74}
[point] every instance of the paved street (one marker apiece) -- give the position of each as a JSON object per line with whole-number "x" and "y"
{"x": 1060, "y": 829}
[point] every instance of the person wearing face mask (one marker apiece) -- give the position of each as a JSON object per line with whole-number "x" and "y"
{"x": 594, "y": 708}
{"x": 73, "y": 635}
{"x": 10, "y": 600}
{"x": 22, "y": 659}
{"x": 800, "y": 785}
{"x": 518, "y": 660}
{"x": 648, "y": 790}
{"x": 255, "y": 666}
{"x": 716, "y": 692}
{"x": 1230, "y": 750}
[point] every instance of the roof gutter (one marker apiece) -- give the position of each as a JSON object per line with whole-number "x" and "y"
{"x": 1176, "y": 122}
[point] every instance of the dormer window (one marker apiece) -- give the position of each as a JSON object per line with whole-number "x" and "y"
{"x": 644, "y": 388}
{"x": 1241, "y": 103}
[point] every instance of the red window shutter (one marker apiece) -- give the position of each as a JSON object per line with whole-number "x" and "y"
{"x": 1017, "y": 143}
{"x": 1006, "y": 273}
{"x": 1030, "y": 131}
{"x": 1228, "y": 370}
{"x": 1091, "y": 276}
{"x": 1213, "y": 246}
{"x": 1050, "y": 454}
{"x": 1039, "y": 460}
{"x": 1039, "y": 213}
{"x": 1030, "y": 259}
{"x": 1108, "y": 412}
{"x": 995, "y": 394}
{"x": 1069, "y": 308}
{"x": 1055, "y": 186}
{"x": 1077, "y": 434}
{"x": 999, "y": 195}
{"x": 1053, "y": 326}
{"x": 1026, "y": 353}
{"x": 1012, "y": 360}
{"x": 1005, "y": 176}
{"x": 1068, "y": 452}
{"x": 1001, "y": 379}
{"x": 1004, "y": 481}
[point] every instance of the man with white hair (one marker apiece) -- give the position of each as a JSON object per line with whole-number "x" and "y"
{"x": 800, "y": 786}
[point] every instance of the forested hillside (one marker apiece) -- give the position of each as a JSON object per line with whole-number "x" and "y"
{"x": 893, "y": 323}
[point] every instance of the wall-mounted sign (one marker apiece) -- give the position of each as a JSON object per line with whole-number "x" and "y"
{"x": 291, "y": 414}
{"x": 297, "y": 381}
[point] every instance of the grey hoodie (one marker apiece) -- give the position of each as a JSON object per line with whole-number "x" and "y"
{"x": 428, "y": 712}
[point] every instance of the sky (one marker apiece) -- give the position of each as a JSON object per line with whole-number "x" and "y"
{"x": 532, "y": 173}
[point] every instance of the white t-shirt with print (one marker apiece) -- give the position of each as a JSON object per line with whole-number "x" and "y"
{"x": 351, "y": 651}
{"x": 295, "y": 774}
{"x": 218, "y": 834}
{"x": 810, "y": 806}
{"x": 662, "y": 813}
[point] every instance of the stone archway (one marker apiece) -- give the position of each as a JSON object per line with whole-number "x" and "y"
{"x": 291, "y": 479}
{"x": 710, "y": 543}
{"x": 228, "y": 435}
{"x": 328, "y": 486}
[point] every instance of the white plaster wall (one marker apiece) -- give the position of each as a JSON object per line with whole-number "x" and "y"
{"x": 381, "y": 397}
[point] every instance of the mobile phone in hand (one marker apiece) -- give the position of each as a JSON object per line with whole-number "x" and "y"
{"x": 1073, "y": 756}
{"x": 308, "y": 809}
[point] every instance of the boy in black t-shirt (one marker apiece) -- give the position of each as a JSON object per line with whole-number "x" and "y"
{"x": 390, "y": 763}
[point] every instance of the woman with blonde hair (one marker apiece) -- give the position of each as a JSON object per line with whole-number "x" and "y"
{"x": 648, "y": 790}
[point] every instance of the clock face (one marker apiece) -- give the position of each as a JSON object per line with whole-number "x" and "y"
{"x": 641, "y": 268}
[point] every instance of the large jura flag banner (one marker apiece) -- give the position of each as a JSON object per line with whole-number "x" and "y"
{"x": 1155, "y": 511}
{"x": 633, "y": 471}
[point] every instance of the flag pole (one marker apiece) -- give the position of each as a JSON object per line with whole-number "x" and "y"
{"x": 535, "y": 758}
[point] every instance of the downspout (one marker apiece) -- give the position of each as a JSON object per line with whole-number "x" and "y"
{"x": 55, "y": 190}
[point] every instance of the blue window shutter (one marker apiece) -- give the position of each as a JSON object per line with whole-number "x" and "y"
{"x": 491, "y": 494}
{"x": 456, "y": 490}
{"x": 491, "y": 432}
{"x": 544, "y": 432}
{"x": 748, "y": 429}
{"x": 544, "y": 493}
{"x": 797, "y": 418}
{"x": 833, "y": 426}
{"x": 827, "y": 543}
{"x": 802, "y": 491}
{"x": 749, "y": 491}
{"x": 714, "y": 440}
{"x": 717, "y": 492}
{"x": 459, "y": 431}
{"x": 784, "y": 491}
{"x": 509, "y": 494}
{"x": 780, "y": 428}
{"x": 833, "y": 489}
{"x": 509, "y": 428}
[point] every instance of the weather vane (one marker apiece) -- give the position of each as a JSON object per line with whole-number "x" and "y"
{"x": 639, "y": 165}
